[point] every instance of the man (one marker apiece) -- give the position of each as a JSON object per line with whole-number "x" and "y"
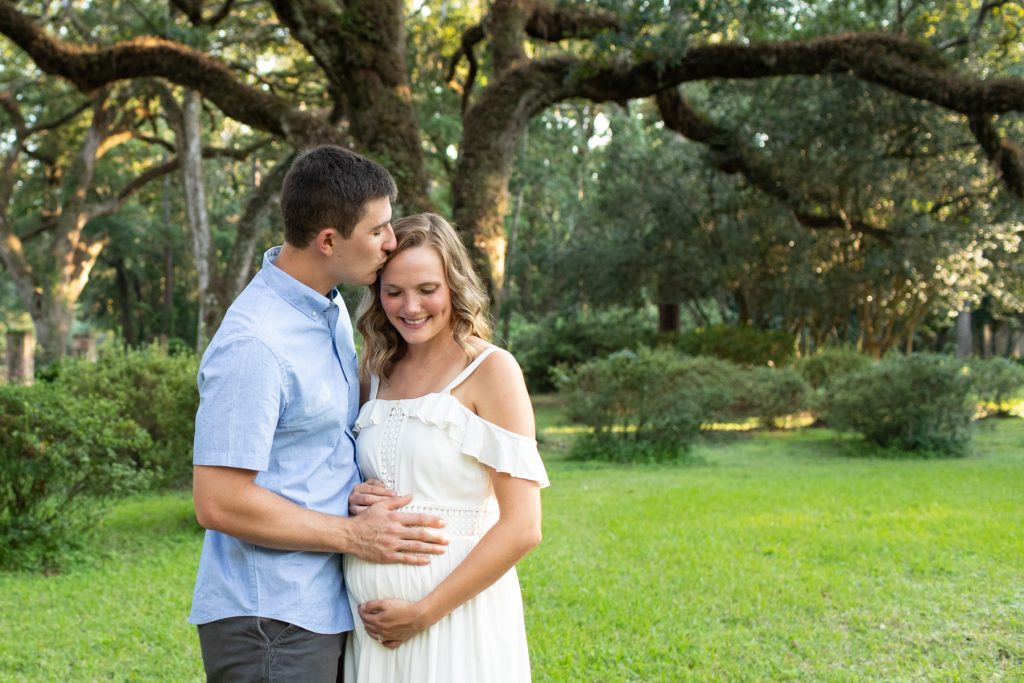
{"x": 274, "y": 450}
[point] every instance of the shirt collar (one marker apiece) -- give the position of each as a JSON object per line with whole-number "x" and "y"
{"x": 304, "y": 298}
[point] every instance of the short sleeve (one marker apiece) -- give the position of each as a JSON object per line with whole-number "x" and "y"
{"x": 241, "y": 397}
{"x": 503, "y": 450}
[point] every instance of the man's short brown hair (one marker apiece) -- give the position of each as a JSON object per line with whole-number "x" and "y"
{"x": 328, "y": 187}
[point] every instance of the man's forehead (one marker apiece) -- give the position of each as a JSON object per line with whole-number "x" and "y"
{"x": 377, "y": 212}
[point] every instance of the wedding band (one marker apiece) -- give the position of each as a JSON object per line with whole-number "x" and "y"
{"x": 380, "y": 638}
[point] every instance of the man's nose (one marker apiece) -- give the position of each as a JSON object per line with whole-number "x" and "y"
{"x": 390, "y": 242}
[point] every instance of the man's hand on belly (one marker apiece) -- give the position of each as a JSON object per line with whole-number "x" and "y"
{"x": 381, "y": 534}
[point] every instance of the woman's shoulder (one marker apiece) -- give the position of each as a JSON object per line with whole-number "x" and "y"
{"x": 498, "y": 363}
{"x": 498, "y": 392}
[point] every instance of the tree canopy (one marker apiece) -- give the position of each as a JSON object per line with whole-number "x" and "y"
{"x": 863, "y": 124}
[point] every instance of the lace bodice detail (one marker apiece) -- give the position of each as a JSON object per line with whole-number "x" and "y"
{"x": 389, "y": 445}
{"x": 433, "y": 447}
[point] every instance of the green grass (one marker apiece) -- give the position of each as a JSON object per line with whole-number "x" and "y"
{"x": 776, "y": 556}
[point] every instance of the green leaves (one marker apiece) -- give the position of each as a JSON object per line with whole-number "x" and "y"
{"x": 918, "y": 404}
{"x": 646, "y": 404}
{"x": 61, "y": 458}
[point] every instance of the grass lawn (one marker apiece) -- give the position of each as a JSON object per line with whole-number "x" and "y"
{"x": 777, "y": 556}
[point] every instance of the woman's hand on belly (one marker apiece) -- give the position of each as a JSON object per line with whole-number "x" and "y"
{"x": 392, "y": 621}
{"x": 366, "y": 494}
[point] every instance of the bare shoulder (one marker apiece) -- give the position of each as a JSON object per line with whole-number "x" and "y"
{"x": 496, "y": 391}
{"x": 500, "y": 364}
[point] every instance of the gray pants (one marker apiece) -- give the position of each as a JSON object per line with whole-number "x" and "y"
{"x": 243, "y": 649}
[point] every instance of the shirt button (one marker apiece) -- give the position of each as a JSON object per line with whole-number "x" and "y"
{"x": 313, "y": 313}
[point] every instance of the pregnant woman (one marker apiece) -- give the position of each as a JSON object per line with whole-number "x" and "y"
{"x": 448, "y": 420}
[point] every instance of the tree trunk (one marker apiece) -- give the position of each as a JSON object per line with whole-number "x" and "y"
{"x": 986, "y": 340}
{"x": 191, "y": 146}
{"x": 124, "y": 301}
{"x": 1017, "y": 345}
{"x": 1001, "y": 340}
{"x": 237, "y": 272}
{"x": 668, "y": 317}
{"x": 53, "y": 324}
{"x": 360, "y": 45}
{"x": 964, "y": 337}
{"x": 168, "y": 262}
{"x": 501, "y": 310}
{"x": 20, "y": 361}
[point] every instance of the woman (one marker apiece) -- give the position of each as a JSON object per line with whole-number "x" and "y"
{"x": 448, "y": 420}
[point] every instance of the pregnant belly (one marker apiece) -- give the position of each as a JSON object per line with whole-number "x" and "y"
{"x": 371, "y": 581}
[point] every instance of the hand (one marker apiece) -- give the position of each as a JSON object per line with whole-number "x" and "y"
{"x": 366, "y": 494}
{"x": 391, "y": 622}
{"x": 380, "y": 534}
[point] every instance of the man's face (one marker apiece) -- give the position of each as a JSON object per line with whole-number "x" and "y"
{"x": 359, "y": 258}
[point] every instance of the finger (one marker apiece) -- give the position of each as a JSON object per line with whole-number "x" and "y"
{"x": 422, "y": 535}
{"x": 396, "y": 502}
{"x": 408, "y": 558}
{"x": 375, "y": 482}
{"x": 378, "y": 491}
{"x": 356, "y": 509}
{"x": 438, "y": 548}
{"x": 366, "y": 499}
{"x": 365, "y": 489}
{"x": 371, "y": 607}
{"x": 420, "y": 519}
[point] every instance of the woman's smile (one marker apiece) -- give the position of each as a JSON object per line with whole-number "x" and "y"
{"x": 415, "y": 295}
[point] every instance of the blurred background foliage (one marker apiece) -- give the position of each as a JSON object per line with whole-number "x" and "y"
{"x": 768, "y": 249}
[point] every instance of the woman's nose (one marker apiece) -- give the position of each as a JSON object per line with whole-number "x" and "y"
{"x": 411, "y": 304}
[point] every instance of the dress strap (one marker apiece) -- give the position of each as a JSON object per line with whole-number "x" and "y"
{"x": 461, "y": 377}
{"x": 374, "y": 385}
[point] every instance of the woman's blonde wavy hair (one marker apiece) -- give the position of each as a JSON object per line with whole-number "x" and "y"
{"x": 383, "y": 346}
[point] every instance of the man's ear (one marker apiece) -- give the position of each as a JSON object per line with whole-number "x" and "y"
{"x": 326, "y": 241}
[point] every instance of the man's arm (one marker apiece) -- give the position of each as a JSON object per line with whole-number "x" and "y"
{"x": 228, "y": 500}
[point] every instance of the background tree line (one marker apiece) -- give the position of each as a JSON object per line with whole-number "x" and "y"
{"x": 846, "y": 172}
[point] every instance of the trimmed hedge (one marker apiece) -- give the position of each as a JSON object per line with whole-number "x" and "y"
{"x": 829, "y": 363}
{"x": 996, "y": 381}
{"x": 647, "y": 404}
{"x": 61, "y": 457}
{"x": 156, "y": 390}
{"x": 919, "y": 403}
{"x": 770, "y": 394}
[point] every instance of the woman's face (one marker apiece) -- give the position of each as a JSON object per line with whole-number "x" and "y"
{"x": 415, "y": 295}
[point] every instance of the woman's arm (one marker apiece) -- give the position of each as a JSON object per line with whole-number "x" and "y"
{"x": 499, "y": 396}
{"x": 515, "y": 533}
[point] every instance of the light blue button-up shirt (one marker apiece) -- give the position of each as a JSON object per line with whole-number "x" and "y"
{"x": 279, "y": 394}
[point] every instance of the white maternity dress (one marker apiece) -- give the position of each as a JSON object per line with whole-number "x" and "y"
{"x": 435, "y": 448}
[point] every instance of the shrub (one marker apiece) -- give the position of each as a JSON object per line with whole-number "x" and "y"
{"x": 996, "y": 381}
{"x": 156, "y": 390}
{"x": 916, "y": 403}
{"x": 60, "y": 458}
{"x": 645, "y": 405}
{"x": 770, "y": 394}
{"x": 819, "y": 368}
{"x": 567, "y": 340}
{"x": 740, "y": 344}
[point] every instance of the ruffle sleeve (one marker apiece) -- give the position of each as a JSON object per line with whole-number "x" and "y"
{"x": 494, "y": 446}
